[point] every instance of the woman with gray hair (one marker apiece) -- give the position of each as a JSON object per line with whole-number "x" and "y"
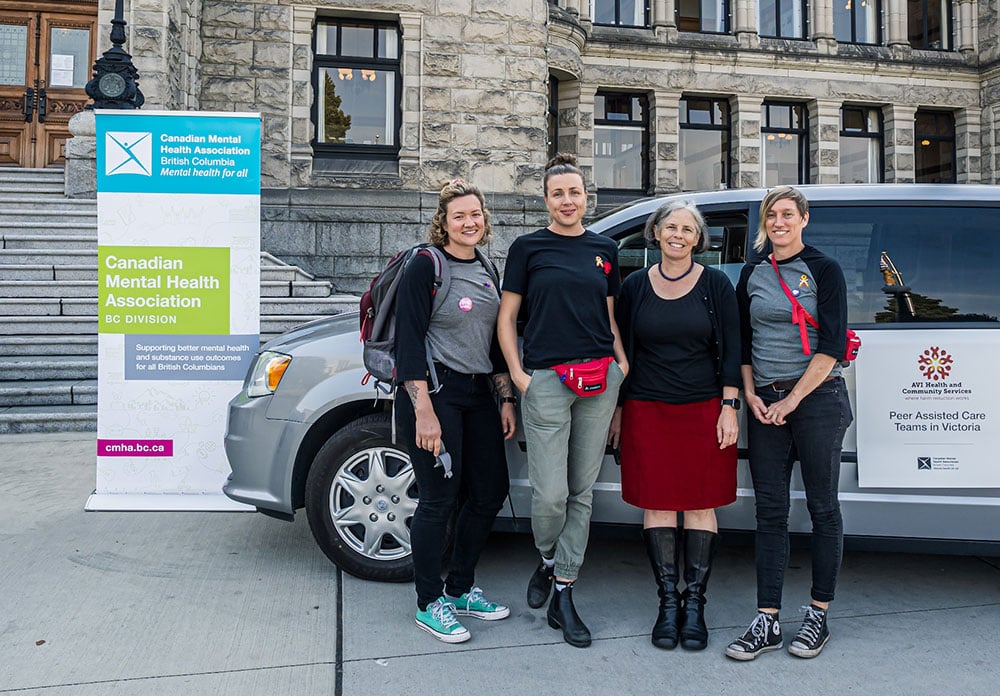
{"x": 677, "y": 424}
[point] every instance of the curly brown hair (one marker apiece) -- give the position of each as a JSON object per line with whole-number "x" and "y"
{"x": 437, "y": 233}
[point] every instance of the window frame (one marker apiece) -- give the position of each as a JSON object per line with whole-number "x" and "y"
{"x": 726, "y": 129}
{"x": 778, "y": 6}
{"x": 727, "y": 19}
{"x": 618, "y": 10}
{"x": 919, "y": 138}
{"x": 322, "y": 61}
{"x": 802, "y": 131}
{"x": 553, "y": 116}
{"x": 947, "y": 28}
{"x": 865, "y": 135}
{"x": 854, "y": 23}
{"x": 642, "y": 125}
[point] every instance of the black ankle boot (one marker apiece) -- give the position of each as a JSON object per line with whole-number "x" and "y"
{"x": 662, "y": 549}
{"x": 562, "y": 614}
{"x": 699, "y": 550}
{"x": 539, "y": 585}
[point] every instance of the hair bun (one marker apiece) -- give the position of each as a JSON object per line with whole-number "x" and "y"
{"x": 561, "y": 158}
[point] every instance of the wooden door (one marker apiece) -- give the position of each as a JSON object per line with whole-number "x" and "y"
{"x": 46, "y": 59}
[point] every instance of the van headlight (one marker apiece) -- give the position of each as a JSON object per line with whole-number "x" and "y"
{"x": 267, "y": 373}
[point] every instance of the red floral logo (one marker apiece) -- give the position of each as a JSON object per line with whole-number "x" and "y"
{"x": 935, "y": 363}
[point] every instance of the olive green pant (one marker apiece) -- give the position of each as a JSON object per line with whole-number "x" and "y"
{"x": 566, "y": 437}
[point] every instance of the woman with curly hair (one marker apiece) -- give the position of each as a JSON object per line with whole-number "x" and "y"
{"x": 458, "y": 419}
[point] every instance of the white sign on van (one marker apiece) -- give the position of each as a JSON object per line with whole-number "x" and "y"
{"x": 928, "y": 405}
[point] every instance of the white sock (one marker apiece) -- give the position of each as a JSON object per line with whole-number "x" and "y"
{"x": 549, "y": 562}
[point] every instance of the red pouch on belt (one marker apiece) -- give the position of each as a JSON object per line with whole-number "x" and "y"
{"x": 588, "y": 378}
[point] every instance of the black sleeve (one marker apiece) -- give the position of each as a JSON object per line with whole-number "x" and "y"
{"x": 414, "y": 301}
{"x": 496, "y": 357}
{"x": 729, "y": 319}
{"x": 831, "y": 306}
{"x": 624, "y": 308}
{"x": 743, "y": 304}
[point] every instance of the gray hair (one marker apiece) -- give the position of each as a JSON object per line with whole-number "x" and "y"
{"x": 656, "y": 220}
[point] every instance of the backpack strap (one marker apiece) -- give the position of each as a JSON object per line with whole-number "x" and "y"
{"x": 442, "y": 282}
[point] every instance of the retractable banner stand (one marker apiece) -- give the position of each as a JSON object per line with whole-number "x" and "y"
{"x": 928, "y": 409}
{"x": 178, "y": 204}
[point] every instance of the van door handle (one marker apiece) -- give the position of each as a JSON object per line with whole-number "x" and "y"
{"x": 28, "y": 106}
{"x": 41, "y": 105}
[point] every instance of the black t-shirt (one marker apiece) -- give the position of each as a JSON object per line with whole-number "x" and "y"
{"x": 674, "y": 346}
{"x": 564, "y": 283}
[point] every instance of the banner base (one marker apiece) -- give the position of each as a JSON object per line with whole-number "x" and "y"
{"x": 163, "y": 502}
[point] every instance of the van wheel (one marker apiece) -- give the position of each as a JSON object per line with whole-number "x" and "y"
{"x": 360, "y": 498}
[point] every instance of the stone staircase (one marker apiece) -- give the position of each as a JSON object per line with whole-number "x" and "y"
{"x": 48, "y": 304}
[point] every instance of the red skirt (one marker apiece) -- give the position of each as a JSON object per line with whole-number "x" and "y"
{"x": 671, "y": 458}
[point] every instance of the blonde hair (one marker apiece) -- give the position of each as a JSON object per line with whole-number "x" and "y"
{"x": 437, "y": 233}
{"x": 776, "y": 194}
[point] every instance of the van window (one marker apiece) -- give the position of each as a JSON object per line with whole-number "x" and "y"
{"x": 947, "y": 260}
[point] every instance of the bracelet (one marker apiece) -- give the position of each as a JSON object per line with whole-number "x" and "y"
{"x": 508, "y": 400}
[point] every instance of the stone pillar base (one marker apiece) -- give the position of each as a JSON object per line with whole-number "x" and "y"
{"x": 81, "y": 157}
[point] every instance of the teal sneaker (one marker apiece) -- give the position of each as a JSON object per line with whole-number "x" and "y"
{"x": 439, "y": 620}
{"x": 472, "y": 603}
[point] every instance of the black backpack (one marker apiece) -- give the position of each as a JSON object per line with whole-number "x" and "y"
{"x": 378, "y": 312}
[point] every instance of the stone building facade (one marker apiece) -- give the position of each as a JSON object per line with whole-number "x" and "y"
{"x": 653, "y": 98}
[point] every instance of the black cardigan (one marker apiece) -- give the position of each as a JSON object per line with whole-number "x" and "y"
{"x": 723, "y": 312}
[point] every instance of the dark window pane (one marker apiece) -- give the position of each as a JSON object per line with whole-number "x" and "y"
{"x": 357, "y": 40}
{"x": 699, "y": 111}
{"x": 935, "y": 164}
{"x": 950, "y": 269}
{"x": 632, "y": 12}
{"x": 854, "y": 120}
{"x": 767, "y": 15}
{"x": 604, "y": 11}
{"x": 357, "y": 107}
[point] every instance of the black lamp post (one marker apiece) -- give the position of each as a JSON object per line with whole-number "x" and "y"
{"x": 115, "y": 84}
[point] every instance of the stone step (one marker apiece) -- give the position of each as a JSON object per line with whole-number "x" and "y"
{"x": 274, "y": 324}
{"x": 47, "y": 272}
{"x": 15, "y": 187}
{"x": 49, "y": 242}
{"x": 62, "y": 392}
{"x": 289, "y": 288}
{"x": 48, "y": 345}
{"x": 314, "y": 306}
{"x": 50, "y": 206}
{"x": 48, "y": 419}
{"x": 66, "y": 257}
{"x": 20, "y": 368}
{"x": 47, "y": 288}
{"x": 49, "y": 225}
{"x": 48, "y": 325}
{"x": 49, "y": 307}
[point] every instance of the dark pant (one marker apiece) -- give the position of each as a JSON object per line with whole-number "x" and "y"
{"x": 472, "y": 435}
{"x": 813, "y": 433}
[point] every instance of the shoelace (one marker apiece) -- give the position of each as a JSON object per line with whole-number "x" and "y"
{"x": 475, "y": 596}
{"x": 442, "y": 612}
{"x": 811, "y": 625}
{"x": 758, "y": 630}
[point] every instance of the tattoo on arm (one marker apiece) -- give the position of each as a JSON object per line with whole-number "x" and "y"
{"x": 413, "y": 391}
{"x": 502, "y": 384}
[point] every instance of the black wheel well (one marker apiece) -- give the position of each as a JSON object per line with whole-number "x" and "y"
{"x": 329, "y": 423}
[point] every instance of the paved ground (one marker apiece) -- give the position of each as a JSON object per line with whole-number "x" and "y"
{"x": 147, "y": 604}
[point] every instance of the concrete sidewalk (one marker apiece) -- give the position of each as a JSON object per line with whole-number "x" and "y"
{"x": 236, "y": 603}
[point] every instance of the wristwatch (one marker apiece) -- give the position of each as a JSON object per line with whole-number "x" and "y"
{"x": 508, "y": 400}
{"x": 735, "y": 403}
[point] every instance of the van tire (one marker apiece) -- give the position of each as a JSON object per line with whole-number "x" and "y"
{"x": 366, "y": 481}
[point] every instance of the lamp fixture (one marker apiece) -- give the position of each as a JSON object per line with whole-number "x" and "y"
{"x": 345, "y": 73}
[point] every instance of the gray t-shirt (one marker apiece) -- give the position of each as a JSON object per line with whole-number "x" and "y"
{"x": 462, "y": 329}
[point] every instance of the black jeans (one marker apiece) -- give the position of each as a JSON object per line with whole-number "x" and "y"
{"x": 813, "y": 433}
{"x": 473, "y": 436}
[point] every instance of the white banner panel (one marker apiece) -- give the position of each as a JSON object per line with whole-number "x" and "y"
{"x": 178, "y": 204}
{"x": 928, "y": 405}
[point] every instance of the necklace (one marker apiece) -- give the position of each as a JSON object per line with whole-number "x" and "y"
{"x": 663, "y": 275}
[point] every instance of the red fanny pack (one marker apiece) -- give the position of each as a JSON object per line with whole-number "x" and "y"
{"x": 588, "y": 378}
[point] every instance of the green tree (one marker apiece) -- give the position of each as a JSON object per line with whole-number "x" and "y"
{"x": 336, "y": 123}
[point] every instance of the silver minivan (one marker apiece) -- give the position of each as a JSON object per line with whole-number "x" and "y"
{"x": 305, "y": 431}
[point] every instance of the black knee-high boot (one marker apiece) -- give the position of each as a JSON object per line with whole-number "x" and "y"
{"x": 699, "y": 550}
{"x": 663, "y": 551}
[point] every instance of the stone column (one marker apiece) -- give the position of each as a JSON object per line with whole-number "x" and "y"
{"x": 569, "y": 117}
{"x": 966, "y": 26}
{"x": 745, "y": 23}
{"x": 585, "y": 132}
{"x": 824, "y": 141}
{"x": 895, "y": 24}
{"x": 968, "y": 147}
{"x": 745, "y": 145}
{"x": 899, "y": 164}
{"x": 300, "y": 150}
{"x": 80, "y": 173}
{"x": 821, "y": 22}
{"x": 664, "y": 137}
{"x": 989, "y": 137}
{"x": 410, "y": 25}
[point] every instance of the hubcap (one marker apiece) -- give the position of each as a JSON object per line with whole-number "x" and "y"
{"x": 372, "y": 500}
